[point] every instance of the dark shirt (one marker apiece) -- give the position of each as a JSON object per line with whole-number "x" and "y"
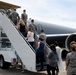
{"x": 22, "y": 28}
{"x": 15, "y": 16}
{"x": 40, "y": 51}
{"x": 53, "y": 59}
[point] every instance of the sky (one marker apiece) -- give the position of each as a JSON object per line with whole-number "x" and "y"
{"x": 60, "y": 12}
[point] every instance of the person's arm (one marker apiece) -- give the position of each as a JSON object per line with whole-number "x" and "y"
{"x": 26, "y": 16}
{"x": 18, "y": 27}
{"x": 38, "y": 44}
{"x": 18, "y": 17}
{"x": 67, "y": 61}
{"x": 36, "y": 27}
{"x": 50, "y": 55}
{"x": 28, "y": 35}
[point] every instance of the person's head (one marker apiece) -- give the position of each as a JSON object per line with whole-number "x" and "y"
{"x": 14, "y": 9}
{"x": 73, "y": 46}
{"x": 24, "y": 10}
{"x": 32, "y": 21}
{"x": 30, "y": 29}
{"x": 56, "y": 43}
{"x": 42, "y": 31}
{"x": 73, "y": 42}
{"x": 22, "y": 22}
{"x": 53, "y": 47}
{"x": 9, "y": 10}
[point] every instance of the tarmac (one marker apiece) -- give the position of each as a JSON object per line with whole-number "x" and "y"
{"x": 16, "y": 71}
{"x": 60, "y": 73}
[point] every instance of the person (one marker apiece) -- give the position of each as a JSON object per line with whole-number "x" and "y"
{"x": 21, "y": 27}
{"x": 24, "y": 16}
{"x": 60, "y": 63}
{"x": 30, "y": 37}
{"x": 2, "y": 11}
{"x": 42, "y": 35}
{"x": 40, "y": 53}
{"x": 34, "y": 28}
{"x": 71, "y": 60}
{"x": 52, "y": 60}
{"x": 15, "y": 17}
{"x": 8, "y": 12}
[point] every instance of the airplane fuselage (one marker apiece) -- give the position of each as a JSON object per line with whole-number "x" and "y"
{"x": 54, "y": 32}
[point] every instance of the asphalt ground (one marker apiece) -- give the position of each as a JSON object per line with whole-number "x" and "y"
{"x": 18, "y": 71}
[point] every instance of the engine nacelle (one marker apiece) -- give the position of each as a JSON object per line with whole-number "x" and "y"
{"x": 69, "y": 39}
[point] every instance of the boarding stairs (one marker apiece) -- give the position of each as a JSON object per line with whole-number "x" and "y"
{"x": 25, "y": 52}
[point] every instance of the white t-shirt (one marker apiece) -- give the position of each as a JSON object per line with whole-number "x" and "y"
{"x": 60, "y": 63}
{"x": 30, "y": 36}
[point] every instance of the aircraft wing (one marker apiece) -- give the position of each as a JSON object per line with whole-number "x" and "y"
{"x": 55, "y": 35}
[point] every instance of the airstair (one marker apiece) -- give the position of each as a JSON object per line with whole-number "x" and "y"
{"x": 26, "y": 54}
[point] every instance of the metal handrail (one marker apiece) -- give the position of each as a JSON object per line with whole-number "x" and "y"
{"x": 19, "y": 32}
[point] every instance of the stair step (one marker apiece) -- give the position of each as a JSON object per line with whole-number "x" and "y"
{"x": 38, "y": 67}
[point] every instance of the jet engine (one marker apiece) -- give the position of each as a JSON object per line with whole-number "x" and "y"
{"x": 69, "y": 39}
